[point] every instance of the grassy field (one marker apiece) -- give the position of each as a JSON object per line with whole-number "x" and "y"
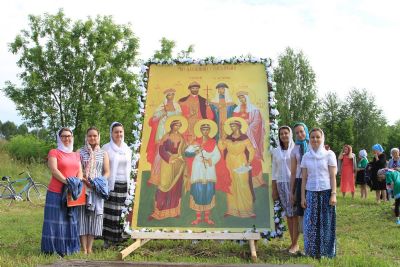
{"x": 366, "y": 233}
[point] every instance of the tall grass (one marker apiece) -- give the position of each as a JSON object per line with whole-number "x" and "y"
{"x": 366, "y": 236}
{"x": 28, "y": 148}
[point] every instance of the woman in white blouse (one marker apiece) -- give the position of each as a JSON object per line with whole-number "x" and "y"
{"x": 281, "y": 181}
{"x": 120, "y": 156}
{"x": 318, "y": 198}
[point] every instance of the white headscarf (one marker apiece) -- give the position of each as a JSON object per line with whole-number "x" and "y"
{"x": 291, "y": 143}
{"x": 321, "y": 152}
{"x": 249, "y": 106}
{"x": 115, "y": 154}
{"x": 60, "y": 144}
{"x": 362, "y": 153}
{"x": 122, "y": 149}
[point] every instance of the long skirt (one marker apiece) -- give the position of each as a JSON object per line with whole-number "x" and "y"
{"x": 112, "y": 228}
{"x": 283, "y": 191}
{"x": 319, "y": 225}
{"x": 60, "y": 227}
{"x": 90, "y": 223}
{"x": 298, "y": 209}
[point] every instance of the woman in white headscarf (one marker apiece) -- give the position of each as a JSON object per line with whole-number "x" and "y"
{"x": 95, "y": 165}
{"x": 120, "y": 156}
{"x": 360, "y": 177}
{"x": 319, "y": 168}
{"x": 60, "y": 231}
{"x": 281, "y": 181}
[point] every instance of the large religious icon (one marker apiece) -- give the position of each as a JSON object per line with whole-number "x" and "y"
{"x": 204, "y": 160}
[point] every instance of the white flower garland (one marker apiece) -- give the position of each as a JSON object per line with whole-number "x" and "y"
{"x": 138, "y": 124}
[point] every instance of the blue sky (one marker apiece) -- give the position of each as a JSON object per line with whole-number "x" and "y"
{"x": 348, "y": 43}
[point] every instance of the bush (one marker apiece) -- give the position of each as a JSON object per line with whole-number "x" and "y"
{"x": 28, "y": 148}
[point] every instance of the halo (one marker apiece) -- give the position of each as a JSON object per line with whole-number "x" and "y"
{"x": 213, "y": 127}
{"x": 180, "y": 118}
{"x": 228, "y": 129}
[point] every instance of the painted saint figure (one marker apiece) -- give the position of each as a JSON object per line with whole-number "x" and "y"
{"x": 239, "y": 153}
{"x": 222, "y": 105}
{"x": 203, "y": 177}
{"x": 194, "y": 108}
{"x": 255, "y": 132}
{"x": 157, "y": 123}
{"x": 167, "y": 202}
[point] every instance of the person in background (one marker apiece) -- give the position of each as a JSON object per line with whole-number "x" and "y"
{"x": 95, "y": 165}
{"x": 120, "y": 158}
{"x": 347, "y": 168}
{"x": 394, "y": 162}
{"x": 360, "y": 177}
{"x": 60, "y": 230}
{"x": 281, "y": 181}
{"x": 318, "y": 198}
{"x": 378, "y": 162}
{"x": 301, "y": 147}
{"x": 392, "y": 178}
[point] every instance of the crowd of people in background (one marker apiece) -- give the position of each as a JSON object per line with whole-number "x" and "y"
{"x": 304, "y": 175}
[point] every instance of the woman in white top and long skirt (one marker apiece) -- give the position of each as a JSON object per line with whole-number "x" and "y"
{"x": 281, "y": 181}
{"x": 318, "y": 198}
{"x": 120, "y": 156}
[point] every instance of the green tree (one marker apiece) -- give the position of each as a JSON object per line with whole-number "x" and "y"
{"x": 296, "y": 91}
{"x": 369, "y": 122}
{"x": 336, "y": 121}
{"x": 22, "y": 129}
{"x": 167, "y": 49}
{"x": 75, "y": 74}
{"x": 393, "y": 137}
{"x": 8, "y": 129}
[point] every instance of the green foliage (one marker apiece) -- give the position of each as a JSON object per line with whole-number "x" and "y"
{"x": 167, "y": 48}
{"x": 393, "y": 138}
{"x": 28, "y": 148}
{"x": 8, "y": 129}
{"x": 369, "y": 122}
{"x": 336, "y": 121}
{"x": 296, "y": 92}
{"x": 74, "y": 73}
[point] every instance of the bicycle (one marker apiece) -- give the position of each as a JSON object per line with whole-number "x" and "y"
{"x": 35, "y": 192}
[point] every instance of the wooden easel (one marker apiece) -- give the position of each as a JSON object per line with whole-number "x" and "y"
{"x": 144, "y": 237}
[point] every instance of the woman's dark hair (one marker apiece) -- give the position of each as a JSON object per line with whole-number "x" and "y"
{"x": 63, "y": 129}
{"x": 93, "y": 128}
{"x": 279, "y": 134}
{"x": 173, "y": 123}
{"x": 117, "y": 124}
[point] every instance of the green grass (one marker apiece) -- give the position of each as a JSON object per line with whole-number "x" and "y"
{"x": 366, "y": 233}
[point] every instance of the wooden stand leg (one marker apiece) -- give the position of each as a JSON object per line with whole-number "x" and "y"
{"x": 137, "y": 244}
{"x": 253, "y": 250}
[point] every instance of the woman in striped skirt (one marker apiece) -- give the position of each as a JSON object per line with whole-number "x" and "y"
{"x": 60, "y": 227}
{"x": 318, "y": 198}
{"x": 95, "y": 165}
{"x": 120, "y": 169}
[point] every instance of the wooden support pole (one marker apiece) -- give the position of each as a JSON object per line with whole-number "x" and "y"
{"x": 253, "y": 250}
{"x": 137, "y": 244}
